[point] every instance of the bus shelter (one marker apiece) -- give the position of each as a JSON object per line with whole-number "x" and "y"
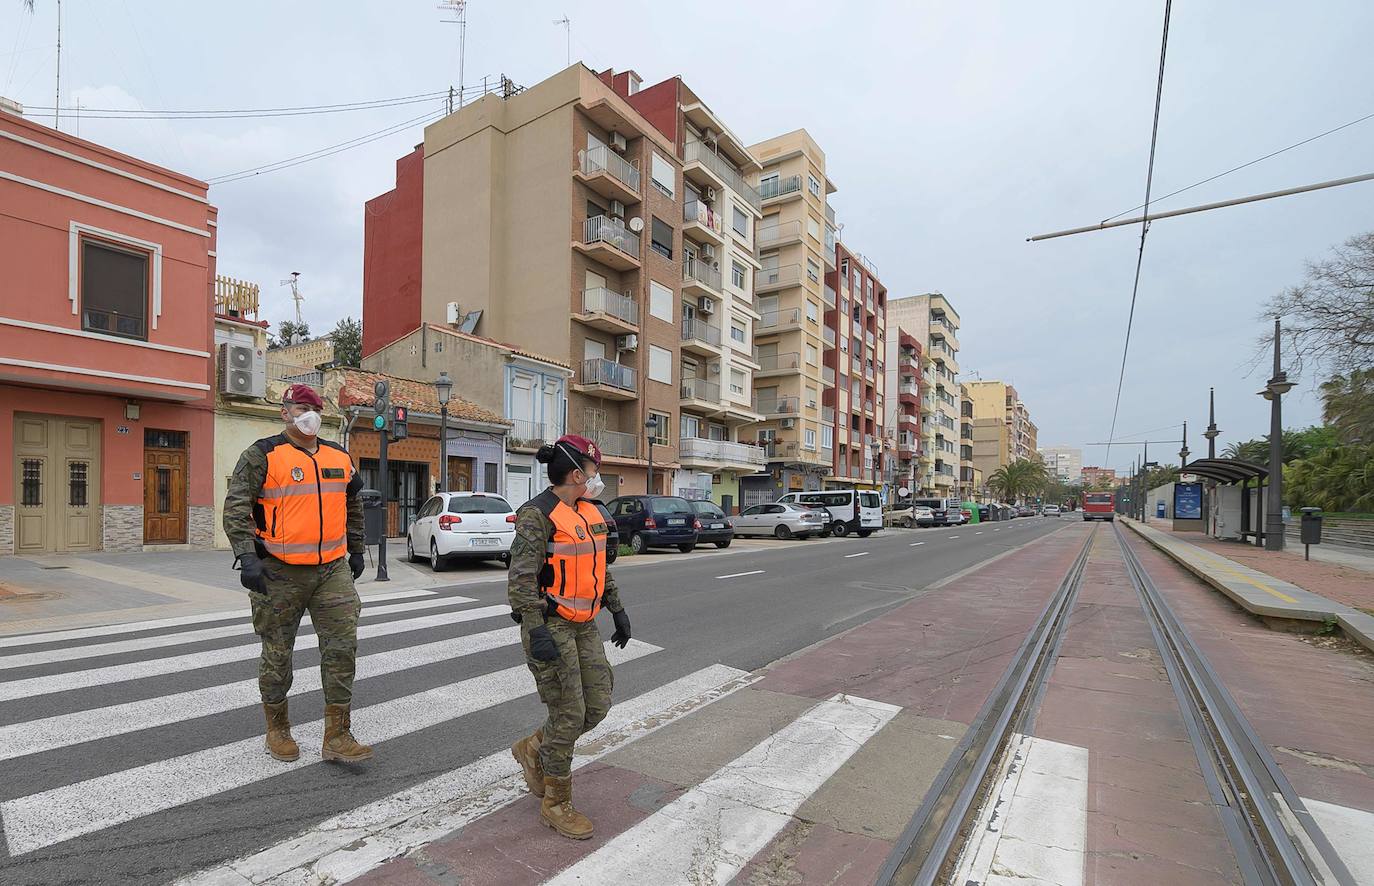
{"x": 1234, "y": 507}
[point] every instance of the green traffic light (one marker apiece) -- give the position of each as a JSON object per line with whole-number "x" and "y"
{"x": 379, "y": 422}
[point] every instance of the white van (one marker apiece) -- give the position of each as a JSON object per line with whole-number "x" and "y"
{"x": 851, "y": 510}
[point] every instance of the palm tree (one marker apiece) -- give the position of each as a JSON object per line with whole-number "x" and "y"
{"x": 1019, "y": 479}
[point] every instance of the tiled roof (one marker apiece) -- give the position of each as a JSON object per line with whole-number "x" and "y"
{"x": 358, "y": 386}
{"x": 514, "y": 349}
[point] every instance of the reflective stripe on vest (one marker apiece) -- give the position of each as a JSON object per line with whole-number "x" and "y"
{"x": 577, "y": 553}
{"x": 304, "y": 504}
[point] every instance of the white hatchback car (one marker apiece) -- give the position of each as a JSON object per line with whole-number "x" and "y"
{"x": 468, "y": 525}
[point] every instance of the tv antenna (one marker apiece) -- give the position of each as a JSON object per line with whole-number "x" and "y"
{"x": 293, "y": 282}
{"x": 459, "y": 8}
{"x": 567, "y": 29}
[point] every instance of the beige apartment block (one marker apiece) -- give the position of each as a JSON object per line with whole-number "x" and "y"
{"x": 931, "y": 318}
{"x": 994, "y": 403}
{"x": 558, "y": 213}
{"x": 795, "y": 250}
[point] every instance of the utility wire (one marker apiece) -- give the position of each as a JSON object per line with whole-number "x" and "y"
{"x": 1144, "y": 224}
{"x": 1244, "y": 165}
{"x": 235, "y": 114}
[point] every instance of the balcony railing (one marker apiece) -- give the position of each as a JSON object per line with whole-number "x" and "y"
{"x": 829, "y": 295}
{"x": 909, "y": 388}
{"x": 787, "y": 275}
{"x": 726, "y": 451}
{"x": 696, "y": 211}
{"x": 856, "y": 365}
{"x": 829, "y": 335}
{"x": 615, "y": 442}
{"x": 830, "y": 213}
{"x": 827, "y": 375}
{"x": 828, "y": 414}
{"x": 829, "y": 245}
{"x": 781, "y": 449}
{"x": 778, "y": 406}
{"x": 699, "y": 330}
{"x": 698, "y": 152}
{"x": 780, "y": 187}
{"x": 770, "y": 362}
{"x": 527, "y": 434}
{"x": 696, "y": 270}
{"x": 235, "y": 298}
{"x": 700, "y": 389}
{"x": 601, "y": 229}
{"x": 775, "y": 319}
{"x": 600, "y": 300}
{"x": 868, "y": 406}
{"x": 767, "y": 237}
{"x": 607, "y": 372}
{"x": 602, "y": 159}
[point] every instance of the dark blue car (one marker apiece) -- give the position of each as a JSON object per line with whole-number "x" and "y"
{"x": 655, "y": 521}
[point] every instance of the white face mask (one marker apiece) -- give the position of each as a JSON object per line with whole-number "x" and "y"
{"x": 308, "y": 423}
{"x": 595, "y": 486}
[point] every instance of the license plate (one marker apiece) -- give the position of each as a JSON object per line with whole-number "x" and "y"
{"x": 682, "y": 522}
{"x": 485, "y": 542}
{"x": 717, "y": 525}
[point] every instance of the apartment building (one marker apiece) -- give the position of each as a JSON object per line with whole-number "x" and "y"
{"x": 551, "y": 218}
{"x": 721, "y": 212}
{"x": 906, "y": 363}
{"x": 931, "y": 318}
{"x": 854, "y": 373}
{"x": 969, "y": 482}
{"x": 1093, "y": 476}
{"x": 1065, "y": 462}
{"x": 795, "y": 242}
{"x": 1003, "y": 431}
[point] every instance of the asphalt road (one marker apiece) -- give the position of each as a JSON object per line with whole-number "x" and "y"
{"x": 140, "y": 762}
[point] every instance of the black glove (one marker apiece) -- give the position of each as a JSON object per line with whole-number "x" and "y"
{"x": 356, "y": 565}
{"x": 542, "y": 647}
{"x": 622, "y": 628}
{"x": 253, "y": 575}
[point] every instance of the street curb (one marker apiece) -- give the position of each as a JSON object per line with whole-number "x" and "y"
{"x": 1356, "y": 625}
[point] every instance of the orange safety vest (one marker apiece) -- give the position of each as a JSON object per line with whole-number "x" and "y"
{"x": 302, "y": 510}
{"x": 574, "y": 572}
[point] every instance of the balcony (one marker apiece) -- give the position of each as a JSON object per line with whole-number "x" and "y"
{"x": 829, "y": 247}
{"x": 781, "y": 234}
{"x": 236, "y": 298}
{"x": 699, "y": 278}
{"x": 608, "y": 241}
{"x": 828, "y": 375}
{"x": 828, "y": 293}
{"x": 856, "y": 365}
{"x": 829, "y": 335}
{"x": 828, "y": 414}
{"x": 771, "y": 279}
{"x": 700, "y": 337}
{"x": 868, "y": 406}
{"x": 702, "y": 222}
{"x": 830, "y": 215}
{"x": 907, "y": 444}
{"x": 608, "y": 174}
{"x": 614, "y": 443}
{"x": 782, "y": 188}
{"x": 778, "y": 321}
{"x": 727, "y": 453}
{"x": 527, "y": 436}
{"x": 777, "y": 364}
{"x": 778, "y": 407}
{"x": 909, "y": 392}
{"x": 705, "y": 167}
{"x": 907, "y": 418}
{"x": 700, "y": 391}
{"x": 606, "y": 378}
{"x": 609, "y": 311}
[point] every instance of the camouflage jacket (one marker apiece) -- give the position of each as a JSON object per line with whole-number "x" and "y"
{"x": 245, "y": 486}
{"x": 532, "y": 531}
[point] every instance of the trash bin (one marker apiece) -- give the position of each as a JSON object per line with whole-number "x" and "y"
{"x": 374, "y": 516}
{"x": 1311, "y": 526}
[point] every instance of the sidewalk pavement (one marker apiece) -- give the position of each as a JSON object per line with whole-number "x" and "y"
{"x": 1275, "y": 585}
{"x": 61, "y": 591}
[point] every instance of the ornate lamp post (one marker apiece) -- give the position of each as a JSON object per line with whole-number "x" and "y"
{"x": 443, "y": 385}
{"x": 652, "y": 426}
{"x": 1277, "y": 386}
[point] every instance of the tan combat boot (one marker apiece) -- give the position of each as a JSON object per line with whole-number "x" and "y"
{"x": 526, "y": 753}
{"x": 279, "y": 742}
{"x": 557, "y": 809}
{"x": 339, "y": 743}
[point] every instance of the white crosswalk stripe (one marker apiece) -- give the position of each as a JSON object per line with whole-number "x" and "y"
{"x": 138, "y": 670}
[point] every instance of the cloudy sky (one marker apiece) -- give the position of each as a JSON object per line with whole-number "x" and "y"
{"x": 953, "y": 131}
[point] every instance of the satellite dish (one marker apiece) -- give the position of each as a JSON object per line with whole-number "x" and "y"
{"x": 636, "y": 224}
{"x": 904, "y": 492}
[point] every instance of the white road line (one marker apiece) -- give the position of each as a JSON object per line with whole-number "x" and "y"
{"x": 860, "y": 554}
{"x": 979, "y": 532}
{"x": 158, "y": 623}
{"x": 954, "y": 536}
{"x": 1348, "y": 830}
{"x": 346, "y": 846}
{"x": 70, "y": 811}
{"x": 175, "y": 664}
{"x": 997, "y": 530}
{"x": 741, "y": 574}
{"x": 1035, "y": 824}
{"x": 915, "y": 544}
{"x": 140, "y": 644}
{"x": 36, "y": 736}
{"x": 714, "y": 829}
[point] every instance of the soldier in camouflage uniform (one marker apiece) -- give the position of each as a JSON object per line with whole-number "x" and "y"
{"x": 558, "y": 582}
{"x": 295, "y": 524}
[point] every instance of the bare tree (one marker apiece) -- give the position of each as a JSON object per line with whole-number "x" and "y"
{"x": 1328, "y": 319}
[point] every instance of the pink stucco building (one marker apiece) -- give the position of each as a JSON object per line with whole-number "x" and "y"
{"x": 107, "y": 265}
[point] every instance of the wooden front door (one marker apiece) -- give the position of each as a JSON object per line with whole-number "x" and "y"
{"x": 57, "y": 484}
{"x": 164, "y": 495}
{"x": 459, "y": 474}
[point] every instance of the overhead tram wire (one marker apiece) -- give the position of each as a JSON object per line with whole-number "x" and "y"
{"x": 240, "y": 113}
{"x": 1144, "y": 223}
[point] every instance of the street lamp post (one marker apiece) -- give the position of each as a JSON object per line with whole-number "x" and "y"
{"x": 1212, "y": 431}
{"x": 443, "y": 385}
{"x": 1183, "y": 453}
{"x": 652, "y": 426}
{"x": 1277, "y": 386}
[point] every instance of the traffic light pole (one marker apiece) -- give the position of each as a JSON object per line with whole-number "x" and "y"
{"x": 382, "y": 405}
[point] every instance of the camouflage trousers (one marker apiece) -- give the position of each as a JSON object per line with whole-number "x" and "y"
{"x": 327, "y": 592}
{"x": 576, "y": 689}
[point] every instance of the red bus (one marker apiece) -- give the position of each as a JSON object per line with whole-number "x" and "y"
{"x": 1099, "y": 506}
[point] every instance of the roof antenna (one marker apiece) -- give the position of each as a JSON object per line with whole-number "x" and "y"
{"x": 459, "y": 8}
{"x": 567, "y": 27}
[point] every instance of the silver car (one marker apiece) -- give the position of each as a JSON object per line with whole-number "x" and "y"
{"x": 780, "y": 520}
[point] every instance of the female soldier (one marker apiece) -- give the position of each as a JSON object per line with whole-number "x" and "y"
{"x": 558, "y": 582}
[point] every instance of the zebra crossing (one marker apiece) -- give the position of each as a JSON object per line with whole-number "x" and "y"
{"x": 112, "y": 736}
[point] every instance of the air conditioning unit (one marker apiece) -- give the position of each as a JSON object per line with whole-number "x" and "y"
{"x": 710, "y": 195}
{"x": 617, "y": 209}
{"x": 454, "y": 314}
{"x": 788, "y": 424}
{"x": 618, "y": 142}
{"x": 242, "y": 371}
{"x": 706, "y": 305}
{"x": 708, "y": 252}
{"x": 626, "y": 342}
